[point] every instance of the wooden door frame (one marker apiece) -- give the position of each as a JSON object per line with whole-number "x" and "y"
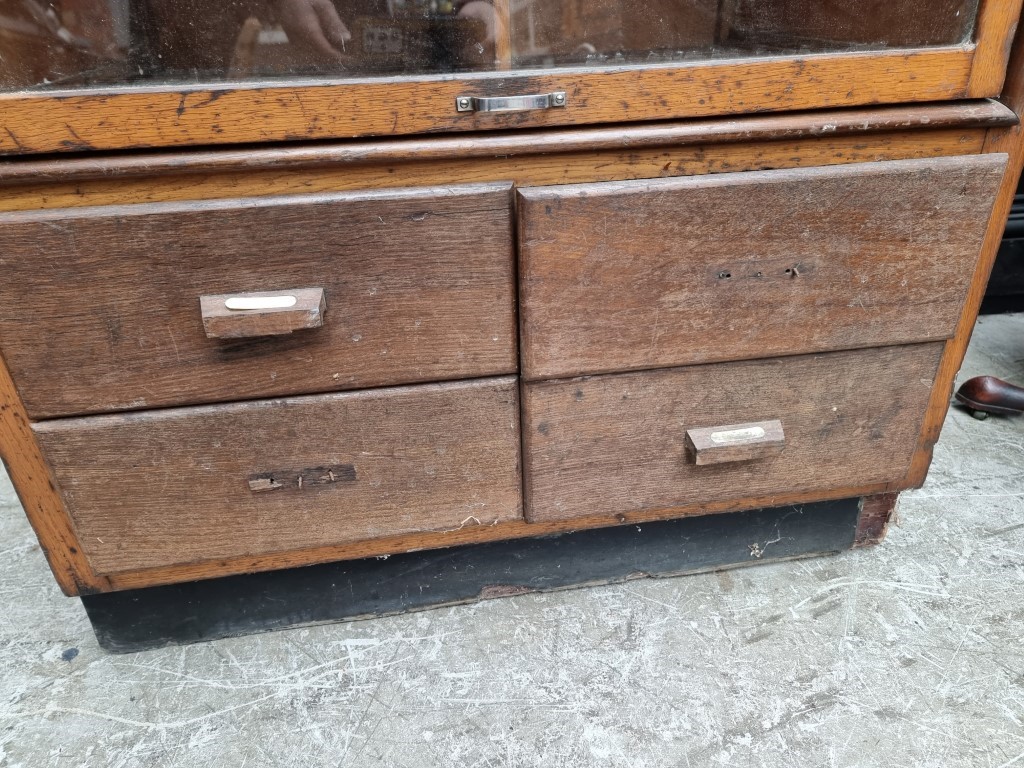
{"x": 287, "y": 110}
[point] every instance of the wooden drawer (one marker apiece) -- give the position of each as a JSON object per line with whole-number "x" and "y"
{"x": 616, "y": 444}
{"x": 100, "y": 307}
{"x": 651, "y": 274}
{"x": 193, "y": 484}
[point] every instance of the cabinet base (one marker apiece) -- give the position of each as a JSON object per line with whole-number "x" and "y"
{"x": 149, "y": 618}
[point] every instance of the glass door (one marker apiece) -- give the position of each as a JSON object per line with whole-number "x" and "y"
{"x": 378, "y": 67}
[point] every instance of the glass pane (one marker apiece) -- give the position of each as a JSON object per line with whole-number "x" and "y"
{"x": 77, "y": 43}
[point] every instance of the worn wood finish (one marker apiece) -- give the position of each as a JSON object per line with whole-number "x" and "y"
{"x": 826, "y": 124}
{"x": 469, "y": 534}
{"x": 278, "y": 317}
{"x": 651, "y": 274}
{"x": 419, "y": 283}
{"x": 874, "y": 517}
{"x": 534, "y": 170}
{"x": 728, "y": 444}
{"x": 32, "y": 479}
{"x": 77, "y": 120}
{"x": 616, "y": 443}
{"x": 1010, "y": 141}
{"x": 172, "y": 486}
{"x": 994, "y": 35}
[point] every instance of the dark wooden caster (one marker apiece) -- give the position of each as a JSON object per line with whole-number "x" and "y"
{"x": 986, "y": 394}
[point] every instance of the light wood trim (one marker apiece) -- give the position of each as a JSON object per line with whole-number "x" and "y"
{"x": 994, "y": 33}
{"x": 39, "y": 496}
{"x": 470, "y": 534}
{"x": 1010, "y": 141}
{"x": 537, "y": 170}
{"x": 985, "y": 113}
{"x": 103, "y": 119}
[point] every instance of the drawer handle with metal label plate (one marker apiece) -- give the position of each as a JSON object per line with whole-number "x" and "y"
{"x": 271, "y": 313}
{"x": 735, "y": 442}
{"x": 511, "y": 103}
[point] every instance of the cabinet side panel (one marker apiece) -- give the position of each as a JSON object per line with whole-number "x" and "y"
{"x": 39, "y": 495}
{"x": 1001, "y": 140}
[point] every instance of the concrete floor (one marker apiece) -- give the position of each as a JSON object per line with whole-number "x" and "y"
{"x": 908, "y": 654}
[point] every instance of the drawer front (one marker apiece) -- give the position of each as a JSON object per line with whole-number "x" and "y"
{"x": 650, "y": 274}
{"x": 188, "y": 485}
{"x": 100, "y": 308}
{"x": 614, "y": 444}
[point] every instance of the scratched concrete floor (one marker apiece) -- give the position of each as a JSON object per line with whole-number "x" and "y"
{"x": 908, "y": 654}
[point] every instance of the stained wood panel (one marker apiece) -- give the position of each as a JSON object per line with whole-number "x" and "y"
{"x": 650, "y": 274}
{"x": 100, "y": 307}
{"x": 177, "y": 486}
{"x": 616, "y": 444}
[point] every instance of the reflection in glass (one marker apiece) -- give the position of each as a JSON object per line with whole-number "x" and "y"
{"x": 76, "y": 43}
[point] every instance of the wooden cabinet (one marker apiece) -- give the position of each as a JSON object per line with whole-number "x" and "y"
{"x": 618, "y": 443}
{"x": 547, "y": 267}
{"x": 653, "y": 274}
{"x": 418, "y": 285}
{"x": 177, "y": 486}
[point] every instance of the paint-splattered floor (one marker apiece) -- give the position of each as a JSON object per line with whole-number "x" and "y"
{"x": 909, "y": 654}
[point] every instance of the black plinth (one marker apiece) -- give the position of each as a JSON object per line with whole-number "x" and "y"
{"x": 236, "y": 605}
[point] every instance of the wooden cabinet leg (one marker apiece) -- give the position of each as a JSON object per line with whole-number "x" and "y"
{"x": 874, "y": 517}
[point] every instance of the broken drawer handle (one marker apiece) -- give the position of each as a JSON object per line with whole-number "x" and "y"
{"x": 735, "y": 442}
{"x": 511, "y": 103}
{"x": 271, "y": 313}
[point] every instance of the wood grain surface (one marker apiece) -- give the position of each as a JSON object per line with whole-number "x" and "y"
{"x": 419, "y": 285}
{"x": 469, "y": 534}
{"x": 32, "y": 479}
{"x": 1009, "y": 141}
{"x": 617, "y": 443}
{"x": 994, "y": 34}
{"x": 530, "y": 170}
{"x": 822, "y": 124}
{"x": 229, "y": 113}
{"x": 651, "y": 274}
{"x": 172, "y": 486}
{"x": 873, "y": 521}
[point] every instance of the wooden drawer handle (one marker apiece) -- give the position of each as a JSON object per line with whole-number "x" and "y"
{"x": 271, "y": 313}
{"x": 735, "y": 442}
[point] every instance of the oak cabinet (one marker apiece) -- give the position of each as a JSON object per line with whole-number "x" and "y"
{"x": 276, "y": 292}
